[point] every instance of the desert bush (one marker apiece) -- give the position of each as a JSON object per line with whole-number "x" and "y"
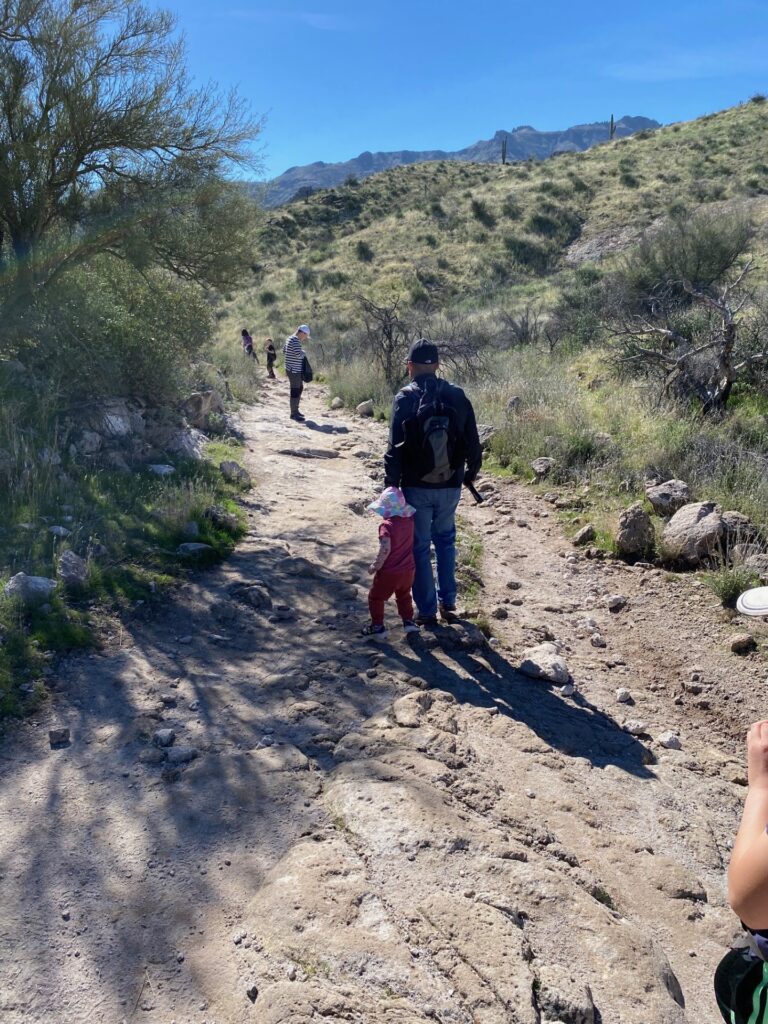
{"x": 268, "y": 298}
{"x": 675, "y": 307}
{"x": 364, "y": 252}
{"x": 356, "y": 380}
{"x": 728, "y": 583}
{"x": 527, "y": 254}
{"x": 482, "y": 214}
{"x": 306, "y": 278}
{"x": 511, "y": 208}
{"x": 558, "y": 223}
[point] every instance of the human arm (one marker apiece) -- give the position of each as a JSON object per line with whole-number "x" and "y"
{"x": 393, "y": 468}
{"x": 474, "y": 452}
{"x": 748, "y": 870}
{"x": 385, "y": 546}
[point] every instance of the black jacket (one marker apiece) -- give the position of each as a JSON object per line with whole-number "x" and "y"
{"x": 397, "y": 473}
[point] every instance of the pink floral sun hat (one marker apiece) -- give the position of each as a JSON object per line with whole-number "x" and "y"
{"x": 391, "y": 502}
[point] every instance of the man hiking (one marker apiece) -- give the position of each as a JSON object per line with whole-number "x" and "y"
{"x": 294, "y": 368}
{"x": 433, "y": 449}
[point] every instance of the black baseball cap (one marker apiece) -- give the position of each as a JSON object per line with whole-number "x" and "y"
{"x": 423, "y": 352}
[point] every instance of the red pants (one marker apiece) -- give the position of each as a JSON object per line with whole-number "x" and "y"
{"x": 385, "y": 584}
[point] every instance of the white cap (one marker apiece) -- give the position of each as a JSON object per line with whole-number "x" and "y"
{"x": 753, "y": 602}
{"x": 304, "y": 330}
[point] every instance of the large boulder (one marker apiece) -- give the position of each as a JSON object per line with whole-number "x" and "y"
{"x": 695, "y": 533}
{"x": 32, "y": 591}
{"x": 759, "y": 563}
{"x": 88, "y": 443}
{"x": 189, "y": 444}
{"x": 668, "y": 497}
{"x": 739, "y": 529}
{"x": 72, "y": 570}
{"x": 542, "y": 466}
{"x": 199, "y": 406}
{"x": 635, "y": 535}
{"x": 234, "y": 473}
{"x": 486, "y": 433}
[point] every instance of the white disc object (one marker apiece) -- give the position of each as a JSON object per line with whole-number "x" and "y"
{"x": 753, "y": 602}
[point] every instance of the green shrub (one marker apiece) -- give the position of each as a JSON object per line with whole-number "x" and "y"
{"x": 306, "y": 278}
{"x": 728, "y": 583}
{"x": 482, "y": 214}
{"x": 364, "y": 252}
{"x": 527, "y": 254}
{"x": 511, "y": 208}
{"x": 268, "y": 298}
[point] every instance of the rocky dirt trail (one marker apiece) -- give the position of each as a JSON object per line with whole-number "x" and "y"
{"x": 405, "y": 832}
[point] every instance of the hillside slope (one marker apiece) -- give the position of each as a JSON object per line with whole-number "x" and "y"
{"x": 479, "y": 236}
{"x": 523, "y": 143}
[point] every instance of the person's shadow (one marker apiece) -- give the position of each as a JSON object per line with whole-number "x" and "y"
{"x": 326, "y": 428}
{"x": 483, "y": 678}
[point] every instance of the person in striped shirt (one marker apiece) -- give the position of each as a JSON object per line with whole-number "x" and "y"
{"x": 294, "y": 363}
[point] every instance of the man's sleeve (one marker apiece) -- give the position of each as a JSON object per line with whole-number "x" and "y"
{"x": 393, "y": 469}
{"x": 472, "y": 443}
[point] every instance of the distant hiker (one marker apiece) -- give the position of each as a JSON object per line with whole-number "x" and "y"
{"x": 393, "y": 567}
{"x": 741, "y": 979}
{"x": 433, "y": 449}
{"x": 295, "y": 362}
{"x": 269, "y": 348}
{"x": 248, "y": 344}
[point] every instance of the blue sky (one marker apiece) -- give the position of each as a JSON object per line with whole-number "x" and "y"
{"x": 335, "y": 78}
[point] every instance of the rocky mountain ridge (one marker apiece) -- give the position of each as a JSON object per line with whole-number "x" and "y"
{"x": 523, "y": 142}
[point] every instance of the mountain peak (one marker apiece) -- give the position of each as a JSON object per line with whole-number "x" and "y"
{"x": 522, "y": 143}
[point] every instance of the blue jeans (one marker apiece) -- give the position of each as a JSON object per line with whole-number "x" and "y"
{"x": 434, "y": 523}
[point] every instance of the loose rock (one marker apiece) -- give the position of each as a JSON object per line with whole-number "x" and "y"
{"x": 694, "y": 533}
{"x": 634, "y": 533}
{"x": 542, "y": 467}
{"x": 670, "y": 740}
{"x": 32, "y": 591}
{"x": 744, "y": 643}
{"x": 585, "y": 535}
{"x": 182, "y": 755}
{"x": 58, "y": 737}
{"x": 234, "y": 473}
{"x": 544, "y": 661}
{"x": 192, "y": 548}
{"x": 668, "y": 497}
{"x": 365, "y": 408}
{"x": 635, "y": 727}
{"x": 72, "y": 570}
{"x": 164, "y": 738}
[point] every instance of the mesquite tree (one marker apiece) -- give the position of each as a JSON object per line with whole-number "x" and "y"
{"x": 105, "y": 147}
{"x": 680, "y": 309}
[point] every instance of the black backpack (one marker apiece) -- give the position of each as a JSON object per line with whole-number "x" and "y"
{"x": 306, "y": 371}
{"x": 433, "y": 443}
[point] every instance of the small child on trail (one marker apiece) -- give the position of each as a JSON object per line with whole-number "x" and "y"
{"x": 394, "y": 567}
{"x": 269, "y": 348}
{"x": 248, "y": 344}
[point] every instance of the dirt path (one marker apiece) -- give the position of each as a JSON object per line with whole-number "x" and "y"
{"x": 406, "y": 832}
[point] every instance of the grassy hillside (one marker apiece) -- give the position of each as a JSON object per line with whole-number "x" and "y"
{"x": 480, "y": 237}
{"x": 485, "y": 244}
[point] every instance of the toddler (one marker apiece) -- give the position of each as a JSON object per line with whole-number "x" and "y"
{"x": 394, "y": 567}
